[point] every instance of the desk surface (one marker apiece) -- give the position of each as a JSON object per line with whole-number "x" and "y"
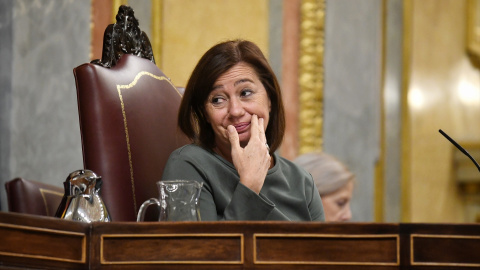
{"x": 41, "y": 242}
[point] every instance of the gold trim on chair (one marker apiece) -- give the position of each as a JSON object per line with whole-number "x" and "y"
{"x": 127, "y": 137}
{"x": 43, "y": 191}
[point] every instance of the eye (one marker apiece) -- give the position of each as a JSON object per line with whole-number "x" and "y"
{"x": 341, "y": 203}
{"x": 246, "y": 93}
{"x": 217, "y": 100}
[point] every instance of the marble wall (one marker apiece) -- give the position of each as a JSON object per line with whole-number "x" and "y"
{"x": 390, "y": 201}
{"x": 353, "y": 45}
{"x": 6, "y": 49}
{"x": 42, "y": 41}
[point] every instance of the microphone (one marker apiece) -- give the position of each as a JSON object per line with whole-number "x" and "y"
{"x": 459, "y": 148}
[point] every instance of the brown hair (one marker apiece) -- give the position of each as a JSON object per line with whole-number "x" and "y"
{"x": 215, "y": 62}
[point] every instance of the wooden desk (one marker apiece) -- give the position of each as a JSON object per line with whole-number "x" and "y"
{"x": 40, "y": 242}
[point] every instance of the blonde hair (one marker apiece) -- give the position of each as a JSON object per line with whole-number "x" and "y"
{"x": 328, "y": 172}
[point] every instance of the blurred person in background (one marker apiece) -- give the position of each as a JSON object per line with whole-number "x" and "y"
{"x": 334, "y": 182}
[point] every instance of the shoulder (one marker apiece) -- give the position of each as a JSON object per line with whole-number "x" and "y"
{"x": 188, "y": 162}
{"x": 290, "y": 168}
{"x": 190, "y": 151}
{"x": 194, "y": 155}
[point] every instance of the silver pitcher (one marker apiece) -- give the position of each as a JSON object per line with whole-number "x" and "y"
{"x": 82, "y": 201}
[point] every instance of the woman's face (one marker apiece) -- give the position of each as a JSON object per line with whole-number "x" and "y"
{"x": 236, "y": 96}
{"x": 337, "y": 204}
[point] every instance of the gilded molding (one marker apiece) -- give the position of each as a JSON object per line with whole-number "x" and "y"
{"x": 156, "y": 26}
{"x": 311, "y": 75}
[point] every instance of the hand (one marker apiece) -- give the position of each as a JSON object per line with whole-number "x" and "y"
{"x": 253, "y": 161}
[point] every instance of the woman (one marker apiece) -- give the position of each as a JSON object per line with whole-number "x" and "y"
{"x": 232, "y": 110}
{"x": 334, "y": 182}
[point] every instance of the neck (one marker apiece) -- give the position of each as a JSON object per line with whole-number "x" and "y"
{"x": 226, "y": 154}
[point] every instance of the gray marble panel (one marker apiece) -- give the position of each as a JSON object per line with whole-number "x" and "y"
{"x": 352, "y": 91}
{"x": 143, "y": 12}
{"x": 393, "y": 120}
{"x": 275, "y": 37}
{"x": 6, "y": 48}
{"x": 50, "y": 38}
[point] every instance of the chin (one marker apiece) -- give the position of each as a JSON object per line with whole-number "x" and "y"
{"x": 244, "y": 139}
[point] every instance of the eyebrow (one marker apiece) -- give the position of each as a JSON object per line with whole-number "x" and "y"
{"x": 240, "y": 81}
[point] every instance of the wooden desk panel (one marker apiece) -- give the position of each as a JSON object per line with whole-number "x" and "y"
{"x": 34, "y": 242}
{"x": 191, "y": 248}
{"x": 245, "y": 245}
{"x": 325, "y": 249}
{"x": 442, "y": 246}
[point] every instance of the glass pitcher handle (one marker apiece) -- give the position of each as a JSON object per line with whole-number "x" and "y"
{"x": 144, "y": 206}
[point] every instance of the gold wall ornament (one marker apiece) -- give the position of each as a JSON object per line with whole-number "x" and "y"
{"x": 156, "y": 26}
{"x": 473, "y": 31}
{"x": 311, "y": 75}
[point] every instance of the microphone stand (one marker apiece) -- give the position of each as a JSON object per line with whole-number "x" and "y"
{"x": 459, "y": 148}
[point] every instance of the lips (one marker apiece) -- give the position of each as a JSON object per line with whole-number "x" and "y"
{"x": 242, "y": 127}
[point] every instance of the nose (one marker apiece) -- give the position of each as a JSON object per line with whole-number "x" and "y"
{"x": 347, "y": 215}
{"x": 235, "y": 108}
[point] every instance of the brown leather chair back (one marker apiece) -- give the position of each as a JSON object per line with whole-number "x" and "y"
{"x": 32, "y": 197}
{"x": 128, "y": 124}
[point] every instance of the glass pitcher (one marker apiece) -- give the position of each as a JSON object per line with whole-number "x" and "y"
{"x": 178, "y": 201}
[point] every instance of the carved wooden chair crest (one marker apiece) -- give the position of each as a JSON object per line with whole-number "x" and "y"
{"x": 124, "y": 37}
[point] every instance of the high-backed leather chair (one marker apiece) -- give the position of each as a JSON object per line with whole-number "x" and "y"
{"x": 32, "y": 197}
{"x": 128, "y": 121}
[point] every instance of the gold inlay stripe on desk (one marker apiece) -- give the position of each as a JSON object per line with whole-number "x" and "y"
{"x": 178, "y": 239}
{"x": 27, "y": 229}
{"x": 440, "y": 236}
{"x": 395, "y": 237}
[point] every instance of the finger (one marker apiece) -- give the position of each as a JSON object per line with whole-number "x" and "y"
{"x": 261, "y": 130}
{"x": 255, "y": 128}
{"x": 233, "y": 137}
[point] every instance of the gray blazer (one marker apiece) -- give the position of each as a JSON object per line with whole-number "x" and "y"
{"x": 288, "y": 192}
